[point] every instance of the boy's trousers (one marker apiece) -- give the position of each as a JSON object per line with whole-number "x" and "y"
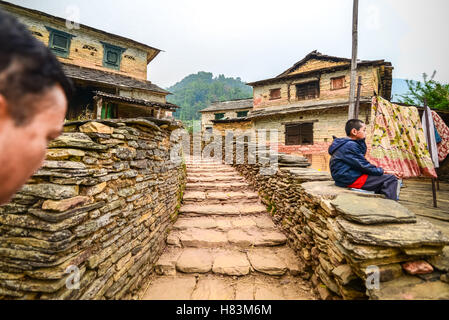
{"x": 386, "y": 184}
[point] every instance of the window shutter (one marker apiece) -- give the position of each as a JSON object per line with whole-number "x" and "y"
{"x": 292, "y": 134}
{"x": 306, "y": 133}
{"x": 310, "y": 90}
{"x": 275, "y": 94}
{"x": 219, "y": 116}
{"x": 60, "y": 42}
{"x": 299, "y": 134}
{"x": 338, "y": 83}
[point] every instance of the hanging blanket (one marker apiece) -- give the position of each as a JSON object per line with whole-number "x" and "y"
{"x": 397, "y": 141}
{"x": 443, "y": 131}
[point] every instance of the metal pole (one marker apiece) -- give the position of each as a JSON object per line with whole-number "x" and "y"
{"x": 426, "y": 116}
{"x": 355, "y": 13}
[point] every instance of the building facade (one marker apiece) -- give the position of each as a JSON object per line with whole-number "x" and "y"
{"x": 109, "y": 71}
{"x": 220, "y": 116}
{"x": 308, "y": 103}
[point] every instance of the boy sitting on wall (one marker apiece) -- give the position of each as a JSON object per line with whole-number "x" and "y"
{"x": 350, "y": 169}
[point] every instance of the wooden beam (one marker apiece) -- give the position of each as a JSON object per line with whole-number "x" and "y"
{"x": 98, "y": 106}
{"x": 299, "y": 122}
{"x": 355, "y": 13}
{"x": 357, "y": 102}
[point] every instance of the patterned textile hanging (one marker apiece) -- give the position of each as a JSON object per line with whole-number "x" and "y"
{"x": 443, "y": 131}
{"x": 396, "y": 140}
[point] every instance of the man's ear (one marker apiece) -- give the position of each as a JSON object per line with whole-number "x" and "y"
{"x": 4, "y": 113}
{"x": 353, "y": 131}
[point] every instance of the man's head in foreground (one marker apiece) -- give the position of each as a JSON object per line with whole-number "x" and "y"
{"x": 33, "y": 103}
{"x": 355, "y": 129}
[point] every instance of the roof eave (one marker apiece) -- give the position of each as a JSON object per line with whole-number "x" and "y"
{"x": 312, "y": 72}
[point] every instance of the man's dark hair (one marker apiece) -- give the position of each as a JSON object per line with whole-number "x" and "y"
{"x": 353, "y": 124}
{"x": 27, "y": 66}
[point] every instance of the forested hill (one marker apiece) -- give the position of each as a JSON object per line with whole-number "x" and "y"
{"x": 197, "y": 91}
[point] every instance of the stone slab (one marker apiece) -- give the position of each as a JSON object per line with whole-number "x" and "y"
{"x": 266, "y": 261}
{"x": 213, "y": 289}
{"x": 166, "y": 265}
{"x": 441, "y": 262}
{"x": 202, "y": 238}
{"x": 328, "y": 190}
{"x": 410, "y": 288}
{"x": 170, "y": 288}
{"x": 197, "y": 222}
{"x": 372, "y": 210}
{"x": 393, "y": 235}
{"x": 194, "y": 261}
{"x": 231, "y": 263}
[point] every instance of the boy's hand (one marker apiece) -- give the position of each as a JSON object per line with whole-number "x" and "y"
{"x": 398, "y": 175}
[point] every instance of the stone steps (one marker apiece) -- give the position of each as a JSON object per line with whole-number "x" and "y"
{"x": 210, "y": 170}
{"x": 232, "y": 238}
{"x": 225, "y": 245}
{"x": 217, "y": 186}
{"x": 213, "y": 197}
{"x": 216, "y": 178}
{"x": 216, "y": 287}
{"x": 225, "y": 223}
{"x": 277, "y": 261}
{"x": 222, "y": 209}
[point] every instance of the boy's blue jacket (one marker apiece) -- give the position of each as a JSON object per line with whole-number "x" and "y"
{"x": 348, "y": 161}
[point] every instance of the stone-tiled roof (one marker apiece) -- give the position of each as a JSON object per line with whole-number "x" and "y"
{"x": 230, "y": 105}
{"x": 318, "y": 56}
{"x": 301, "y": 106}
{"x": 148, "y": 103}
{"x": 110, "y": 79}
{"x": 231, "y": 120}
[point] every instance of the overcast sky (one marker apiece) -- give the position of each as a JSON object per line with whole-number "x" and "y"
{"x": 258, "y": 39}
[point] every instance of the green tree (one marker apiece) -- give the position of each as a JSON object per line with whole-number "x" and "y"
{"x": 197, "y": 91}
{"x": 436, "y": 94}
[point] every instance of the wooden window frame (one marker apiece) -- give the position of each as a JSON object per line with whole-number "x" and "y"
{"x": 63, "y": 52}
{"x": 335, "y": 78}
{"x": 300, "y": 136}
{"x": 271, "y": 94}
{"x": 109, "y": 48}
{"x": 219, "y": 116}
{"x": 316, "y": 83}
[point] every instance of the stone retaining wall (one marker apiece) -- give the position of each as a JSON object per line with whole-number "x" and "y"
{"x": 338, "y": 233}
{"x": 100, "y": 208}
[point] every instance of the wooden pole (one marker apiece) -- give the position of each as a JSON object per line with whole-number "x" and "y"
{"x": 426, "y": 116}
{"x": 357, "y": 103}
{"x": 99, "y": 105}
{"x": 355, "y": 14}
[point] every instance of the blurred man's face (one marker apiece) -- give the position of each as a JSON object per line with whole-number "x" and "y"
{"x": 23, "y": 148}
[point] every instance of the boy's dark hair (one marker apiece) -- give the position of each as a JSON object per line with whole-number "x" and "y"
{"x": 353, "y": 124}
{"x": 27, "y": 66}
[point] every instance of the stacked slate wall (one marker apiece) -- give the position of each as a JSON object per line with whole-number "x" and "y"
{"x": 93, "y": 220}
{"x": 338, "y": 239}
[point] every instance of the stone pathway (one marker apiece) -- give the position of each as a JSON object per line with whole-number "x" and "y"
{"x": 224, "y": 245}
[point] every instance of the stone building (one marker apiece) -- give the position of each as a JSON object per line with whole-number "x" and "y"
{"x": 308, "y": 103}
{"x": 109, "y": 71}
{"x": 224, "y": 115}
